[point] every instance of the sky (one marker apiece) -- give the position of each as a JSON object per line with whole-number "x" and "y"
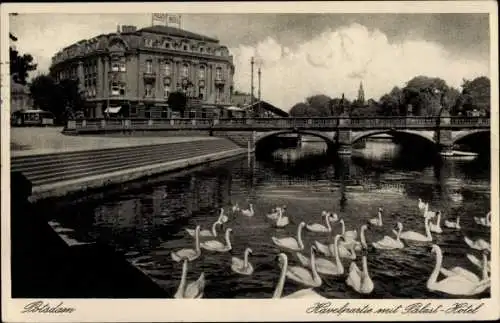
{"x": 302, "y": 54}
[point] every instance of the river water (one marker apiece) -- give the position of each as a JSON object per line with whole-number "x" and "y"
{"x": 147, "y": 221}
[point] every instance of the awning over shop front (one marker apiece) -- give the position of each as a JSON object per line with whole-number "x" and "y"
{"x": 112, "y": 109}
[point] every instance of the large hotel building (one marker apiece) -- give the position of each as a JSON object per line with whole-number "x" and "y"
{"x": 133, "y": 71}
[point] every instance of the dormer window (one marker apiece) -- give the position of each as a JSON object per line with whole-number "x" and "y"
{"x": 185, "y": 47}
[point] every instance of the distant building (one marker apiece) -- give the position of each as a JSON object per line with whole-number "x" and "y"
{"x": 20, "y": 98}
{"x": 132, "y": 72}
{"x": 361, "y": 93}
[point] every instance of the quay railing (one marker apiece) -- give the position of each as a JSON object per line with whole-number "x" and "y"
{"x": 330, "y": 123}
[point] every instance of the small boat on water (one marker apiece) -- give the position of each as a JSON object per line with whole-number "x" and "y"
{"x": 462, "y": 155}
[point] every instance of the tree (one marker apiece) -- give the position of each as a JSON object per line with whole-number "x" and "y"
{"x": 177, "y": 101}
{"x": 302, "y": 110}
{"x": 321, "y": 104}
{"x": 20, "y": 65}
{"x": 62, "y": 99}
{"x": 476, "y": 94}
{"x": 424, "y": 94}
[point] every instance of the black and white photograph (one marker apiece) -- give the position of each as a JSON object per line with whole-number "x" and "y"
{"x": 322, "y": 154}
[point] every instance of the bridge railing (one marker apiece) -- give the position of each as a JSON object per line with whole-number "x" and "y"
{"x": 278, "y": 123}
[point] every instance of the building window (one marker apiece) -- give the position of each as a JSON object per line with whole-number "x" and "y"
{"x": 219, "y": 92}
{"x": 166, "y": 44}
{"x": 167, "y": 68}
{"x": 218, "y": 73}
{"x": 149, "y": 90}
{"x": 201, "y": 93}
{"x": 166, "y": 91}
{"x": 185, "y": 47}
{"x": 202, "y": 49}
{"x": 148, "y": 42}
{"x": 185, "y": 70}
{"x": 123, "y": 67}
{"x": 164, "y": 113}
{"x": 115, "y": 88}
{"x": 149, "y": 66}
{"x": 201, "y": 72}
{"x": 115, "y": 66}
{"x": 133, "y": 110}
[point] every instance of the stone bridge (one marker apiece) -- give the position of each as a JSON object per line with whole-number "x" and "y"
{"x": 339, "y": 133}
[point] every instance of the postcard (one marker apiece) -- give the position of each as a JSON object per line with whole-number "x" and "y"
{"x": 250, "y": 161}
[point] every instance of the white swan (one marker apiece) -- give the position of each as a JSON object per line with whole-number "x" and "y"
{"x": 349, "y": 236}
{"x": 427, "y": 213}
{"x": 325, "y": 266}
{"x": 485, "y": 265}
{"x": 189, "y": 254}
{"x": 291, "y": 243}
{"x": 378, "y": 220}
{"x": 282, "y": 221}
{"x": 242, "y": 267}
{"x": 334, "y": 217}
{"x": 454, "y": 284}
{"x": 316, "y": 227}
{"x": 235, "y": 208}
{"x": 456, "y": 197}
{"x": 436, "y": 228}
{"x": 304, "y": 276}
{"x": 421, "y": 204}
{"x": 248, "y": 212}
{"x": 453, "y": 224}
{"x": 215, "y": 245}
{"x": 484, "y": 221}
{"x": 479, "y": 244}
{"x": 359, "y": 280}
{"x": 415, "y": 236}
{"x": 388, "y": 243}
{"x": 275, "y": 212}
{"x": 206, "y": 232}
{"x": 193, "y": 289}
{"x": 303, "y": 293}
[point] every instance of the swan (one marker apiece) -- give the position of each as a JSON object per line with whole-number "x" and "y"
{"x": 349, "y": 236}
{"x": 206, "y": 232}
{"x": 304, "y": 276}
{"x": 282, "y": 221}
{"x": 359, "y": 280}
{"x": 484, "y": 221}
{"x": 291, "y": 243}
{"x": 388, "y": 243}
{"x": 479, "y": 244}
{"x": 303, "y": 293}
{"x": 378, "y": 220}
{"x": 421, "y": 204}
{"x": 242, "y": 267}
{"x": 456, "y": 197}
{"x": 275, "y": 213}
{"x": 334, "y": 217}
{"x": 436, "y": 228}
{"x": 248, "y": 212}
{"x": 193, "y": 289}
{"x": 453, "y": 224}
{"x": 348, "y": 249}
{"x": 215, "y": 245}
{"x": 235, "y": 208}
{"x": 453, "y": 284}
{"x": 189, "y": 254}
{"x": 316, "y": 227}
{"x": 325, "y": 266}
{"x": 345, "y": 250}
{"x": 484, "y": 265}
{"x": 415, "y": 236}
{"x": 427, "y": 213}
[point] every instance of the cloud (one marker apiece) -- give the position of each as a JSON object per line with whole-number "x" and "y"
{"x": 335, "y": 61}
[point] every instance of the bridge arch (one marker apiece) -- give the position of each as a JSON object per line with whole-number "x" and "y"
{"x": 261, "y": 136}
{"x": 427, "y": 135}
{"x": 466, "y": 133}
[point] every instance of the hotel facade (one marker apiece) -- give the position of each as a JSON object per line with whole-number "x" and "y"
{"x": 131, "y": 73}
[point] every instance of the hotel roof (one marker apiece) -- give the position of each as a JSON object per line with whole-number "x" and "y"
{"x": 167, "y": 30}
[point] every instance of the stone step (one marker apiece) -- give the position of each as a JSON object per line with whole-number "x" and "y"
{"x": 44, "y": 158}
{"x": 89, "y": 156}
{"x": 112, "y": 165}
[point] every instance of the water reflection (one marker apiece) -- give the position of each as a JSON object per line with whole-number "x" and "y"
{"x": 147, "y": 224}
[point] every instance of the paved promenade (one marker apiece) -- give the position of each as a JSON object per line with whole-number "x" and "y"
{"x": 34, "y": 141}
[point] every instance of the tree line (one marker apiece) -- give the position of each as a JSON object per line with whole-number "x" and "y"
{"x": 421, "y": 96}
